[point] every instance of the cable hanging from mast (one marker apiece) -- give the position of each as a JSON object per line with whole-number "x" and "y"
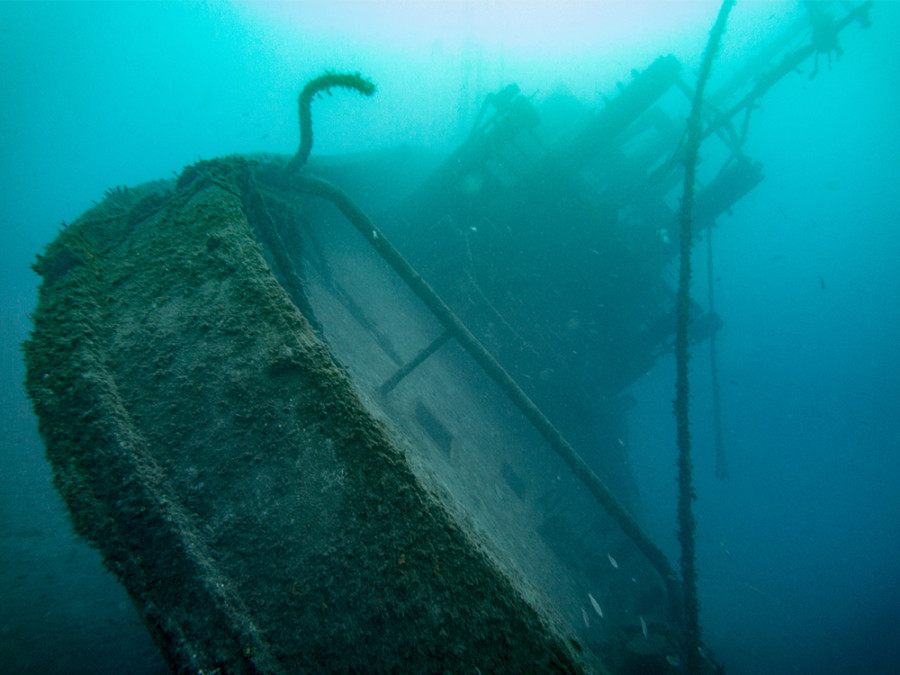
{"x": 686, "y": 521}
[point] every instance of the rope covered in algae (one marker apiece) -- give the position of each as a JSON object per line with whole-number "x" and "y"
{"x": 718, "y": 433}
{"x": 315, "y": 87}
{"x": 686, "y": 522}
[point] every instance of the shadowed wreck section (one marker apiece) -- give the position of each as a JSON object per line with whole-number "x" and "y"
{"x": 206, "y": 442}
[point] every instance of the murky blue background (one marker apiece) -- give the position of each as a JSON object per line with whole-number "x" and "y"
{"x": 798, "y": 550}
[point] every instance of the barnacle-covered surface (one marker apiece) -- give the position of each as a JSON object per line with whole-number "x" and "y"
{"x": 206, "y": 442}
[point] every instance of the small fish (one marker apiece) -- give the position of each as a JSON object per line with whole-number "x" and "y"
{"x": 644, "y": 628}
{"x": 595, "y": 606}
{"x": 587, "y": 622}
{"x": 754, "y": 589}
{"x": 673, "y": 661}
{"x": 612, "y": 561}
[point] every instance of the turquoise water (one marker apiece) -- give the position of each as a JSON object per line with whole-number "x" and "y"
{"x": 797, "y": 549}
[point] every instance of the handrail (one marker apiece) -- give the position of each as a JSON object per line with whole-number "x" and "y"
{"x": 358, "y": 218}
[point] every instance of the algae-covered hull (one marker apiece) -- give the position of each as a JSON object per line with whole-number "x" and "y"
{"x": 300, "y": 450}
{"x": 206, "y": 442}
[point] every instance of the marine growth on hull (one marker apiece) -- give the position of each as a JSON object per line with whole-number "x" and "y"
{"x": 368, "y": 413}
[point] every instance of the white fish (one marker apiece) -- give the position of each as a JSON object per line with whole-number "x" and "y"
{"x": 595, "y": 606}
{"x": 612, "y": 561}
{"x": 673, "y": 661}
{"x": 644, "y": 628}
{"x": 587, "y": 622}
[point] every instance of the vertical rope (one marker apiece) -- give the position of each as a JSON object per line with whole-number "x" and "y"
{"x": 718, "y": 435}
{"x": 686, "y": 521}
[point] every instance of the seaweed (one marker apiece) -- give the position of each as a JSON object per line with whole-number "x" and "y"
{"x": 314, "y": 88}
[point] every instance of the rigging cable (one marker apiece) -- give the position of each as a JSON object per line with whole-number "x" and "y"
{"x": 686, "y": 522}
{"x": 718, "y": 436}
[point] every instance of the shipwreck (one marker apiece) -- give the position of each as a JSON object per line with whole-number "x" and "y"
{"x": 319, "y": 417}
